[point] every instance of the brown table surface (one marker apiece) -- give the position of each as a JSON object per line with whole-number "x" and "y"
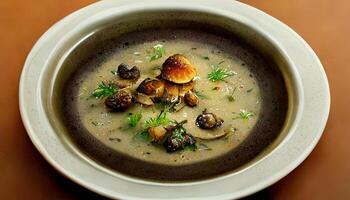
{"x": 325, "y": 174}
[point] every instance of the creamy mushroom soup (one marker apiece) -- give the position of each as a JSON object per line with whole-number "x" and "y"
{"x": 174, "y": 104}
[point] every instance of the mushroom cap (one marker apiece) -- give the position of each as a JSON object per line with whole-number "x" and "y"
{"x": 178, "y": 69}
{"x": 151, "y": 87}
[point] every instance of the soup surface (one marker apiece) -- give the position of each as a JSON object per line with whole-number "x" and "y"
{"x": 233, "y": 81}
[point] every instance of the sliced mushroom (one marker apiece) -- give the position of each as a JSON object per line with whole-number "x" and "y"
{"x": 125, "y": 72}
{"x": 151, "y": 87}
{"x": 144, "y": 99}
{"x": 191, "y": 99}
{"x": 120, "y": 101}
{"x": 178, "y": 69}
{"x": 157, "y": 133}
{"x": 209, "y": 135}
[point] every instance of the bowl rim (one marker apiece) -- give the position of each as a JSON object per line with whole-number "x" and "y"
{"x": 109, "y": 7}
{"x": 48, "y": 78}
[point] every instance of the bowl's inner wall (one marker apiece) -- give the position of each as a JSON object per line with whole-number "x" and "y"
{"x": 266, "y": 133}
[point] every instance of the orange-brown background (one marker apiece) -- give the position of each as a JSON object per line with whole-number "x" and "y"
{"x": 325, "y": 174}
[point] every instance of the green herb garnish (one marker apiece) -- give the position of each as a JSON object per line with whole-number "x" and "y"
{"x": 133, "y": 119}
{"x": 156, "y": 68}
{"x": 114, "y": 72}
{"x": 158, "y": 51}
{"x": 144, "y": 135}
{"x": 231, "y": 97}
{"x": 161, "y": 119}
{"x": 203, "y": 146}
{"x": 250, "y": 90}
{"x": 219, "y": 74}
{"x": 194, "y": 48}
{"x": 192, "y": 147}
{"x": 205, "y": 57}
{"x": 104, "y": 90}
{"x": 244, "y": 115}
{"x": 200, "y": 94}
{"x": 96, "y": 123}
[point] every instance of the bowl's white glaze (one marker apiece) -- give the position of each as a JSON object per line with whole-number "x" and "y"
{"x": 305, "y": 70}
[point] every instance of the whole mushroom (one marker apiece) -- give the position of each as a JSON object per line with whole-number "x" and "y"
{"x": 120, "y": 101}
{"x": 208, "y": 120}
{"x": 178, "y": 69}
{"x": 125, "y": 72}
{"x": 191, "y": 99}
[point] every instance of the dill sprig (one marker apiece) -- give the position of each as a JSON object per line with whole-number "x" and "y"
{"x": 158, "y": 51}
{"x": 218, "y": 73}
{"x": 232, "y": 97}
{"x": 244, "y": 115}
{"x": 104, "y": 90}
{"x": 133, "y": 119}
{"x": 161, "y": 119}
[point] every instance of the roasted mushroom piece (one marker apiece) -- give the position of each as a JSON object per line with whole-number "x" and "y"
{"x": 208, "y": 120}
{"x": 178, "y": 138}
{"x": 171, "y": 92}
{"x": 157, "y": 133}
{"x": 122, "y": 83}
{"x": 178, "y": 69}
{"x": 120, "y": 101}
{"x": 151, "y": 87}
{"x": 191, "y": 99}
{"x": 144, "y": 99}
{"x": 125, "y": 72}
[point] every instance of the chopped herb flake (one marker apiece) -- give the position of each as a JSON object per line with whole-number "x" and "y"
{"x": 231, "y": 97}
{"x": 250, "y": 90}
{"x": 244, "y": 115}
{"x": 158, "y": 51}
{"x": 114, "y": 72}
{"x": 203, "y": 146}
{"x": 205, "y": 57}
{"x": 133, "y": 119}
{"x": 144, "y": 135}
{"x": 201, "y": 95}
{"x": 96, "y": 123}
{"x": 191, "y": 147}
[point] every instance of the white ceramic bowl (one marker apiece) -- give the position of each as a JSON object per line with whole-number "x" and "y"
{"x": 306, "y": 83}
